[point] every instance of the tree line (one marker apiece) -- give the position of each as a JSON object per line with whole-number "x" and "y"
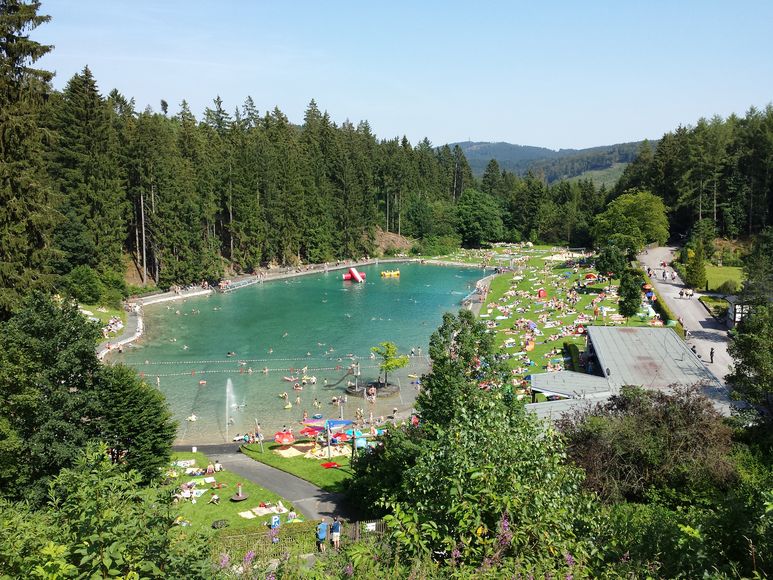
{"x": 720, "y": 170}
{"x": 89, "y": 184}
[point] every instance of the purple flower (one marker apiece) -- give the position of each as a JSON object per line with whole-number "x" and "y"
{"x": 349, "y": 570}
{"x": 569, "y": 559}
{"x": 455, "y": 554}
{"x": 249, "y": 557}
{"x": 225, "y": 560}
{"x": 505, "y": 522}
{"x": 569, "y": 577}
{"x": 270, "y": 576}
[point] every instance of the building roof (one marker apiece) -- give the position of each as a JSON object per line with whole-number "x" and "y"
{"x": 649, "y": 357}
{"x": 654, "y": 358}
{"x": 554, "y": 409}
{"x": 570, "y": 384}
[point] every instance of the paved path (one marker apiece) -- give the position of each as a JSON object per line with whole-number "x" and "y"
{"x": 312, "y": 502}
{"x": 705, "y": 332}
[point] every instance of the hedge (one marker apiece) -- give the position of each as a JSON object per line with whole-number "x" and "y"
{"x": 574, "y": 352}
{"x": 662, "y": 308}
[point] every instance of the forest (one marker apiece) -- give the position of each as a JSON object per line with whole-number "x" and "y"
{"x": 720, "y": 170}
{"x": 552, "y": 165}
{"x": 92, "y": 188}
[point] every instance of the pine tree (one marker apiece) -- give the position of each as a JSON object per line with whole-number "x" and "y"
{"x": 696, "y": 267}
{"x": 26, "y": 199}
{"x": 86, "y": 168}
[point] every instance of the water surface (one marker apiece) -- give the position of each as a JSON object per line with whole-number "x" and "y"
{"x": 319, "y": 322}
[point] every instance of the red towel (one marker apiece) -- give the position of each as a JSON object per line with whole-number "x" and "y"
{"x": 329, "y": 464}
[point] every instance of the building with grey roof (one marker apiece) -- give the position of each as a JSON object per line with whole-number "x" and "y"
{"x": 653, "y": 358}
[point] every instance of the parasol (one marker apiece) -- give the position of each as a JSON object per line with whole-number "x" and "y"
{"x": 284, "y": 438}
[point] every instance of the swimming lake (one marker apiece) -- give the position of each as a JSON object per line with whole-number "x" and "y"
{"x": 274, "y": 330}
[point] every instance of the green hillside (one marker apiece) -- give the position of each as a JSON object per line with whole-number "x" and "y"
{"x": 607, "y": 177}
{"x": 554, "y": 165}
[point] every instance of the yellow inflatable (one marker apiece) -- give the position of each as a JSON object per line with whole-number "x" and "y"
{"x": 390, "y": 273}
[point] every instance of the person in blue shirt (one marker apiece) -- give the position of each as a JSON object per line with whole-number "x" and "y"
{"x": 321, "y": 535}
{"x": 335, "y": 533}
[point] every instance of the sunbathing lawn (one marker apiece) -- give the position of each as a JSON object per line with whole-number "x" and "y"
{"x": 555, "y": 278}
{"x": 716, "y": 275}
{"x": 309, "y": 469}
{"x": 201, "y": 514}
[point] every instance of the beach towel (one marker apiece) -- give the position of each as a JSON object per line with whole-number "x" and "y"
{"x": 209, "y": 480}
{"x": 248, "y": 515}
{"x": 184, "y": 463}
{"x": 261, "y": 511}
{"x": 199, "y": 492}
{"x": 330, "y": 464}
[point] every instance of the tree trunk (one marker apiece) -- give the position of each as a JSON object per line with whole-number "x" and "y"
{"x": 144, "y": 242}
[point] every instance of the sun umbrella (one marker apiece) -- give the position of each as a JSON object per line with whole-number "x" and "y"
{"x": 352, "y": 432}
{"x": 283, "y": 437}
{"x": 590, "y": 276}
{"x": 311, "y": 431}
{"x": 339, "y": 437}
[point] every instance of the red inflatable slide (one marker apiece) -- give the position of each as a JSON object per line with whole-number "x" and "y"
{"x": 354, "y": 275}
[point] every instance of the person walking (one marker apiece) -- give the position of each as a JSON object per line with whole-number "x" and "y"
{"x": 321, "y": 535}
{"x": 711, "y": 355}
{"x": 335, "y": 533}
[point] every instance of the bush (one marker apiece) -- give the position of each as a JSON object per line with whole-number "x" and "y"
{"x": 439, "y": 245}
{"x": 573, "y": 351}
{"x": 642, "y": 441}
{"x": 728, "y": 287}
{"x": 84, "y": 284}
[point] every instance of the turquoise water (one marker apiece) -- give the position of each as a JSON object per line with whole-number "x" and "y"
{"x": 319, "y": 322}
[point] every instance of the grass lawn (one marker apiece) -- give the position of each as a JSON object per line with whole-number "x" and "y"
{"x": 716, "y": 275}
{"x": 519, "y": 290}
{"x": 202, "y": 514}
{"x": 717, "y": 306}
{"x": 309, "y": 469}
{"x": 104, "y": 313}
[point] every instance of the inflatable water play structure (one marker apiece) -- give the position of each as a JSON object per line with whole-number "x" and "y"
{"x": 354, "y": 275}
{"x": 390, "y": 273}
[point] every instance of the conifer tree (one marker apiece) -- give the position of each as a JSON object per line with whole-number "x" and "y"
{"x": 86, "y": 167}
{"x": 26, "y": 199}
{"x": 696, "y": 267}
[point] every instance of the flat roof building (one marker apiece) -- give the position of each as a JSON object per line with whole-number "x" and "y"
{"x": 653, "y": 358}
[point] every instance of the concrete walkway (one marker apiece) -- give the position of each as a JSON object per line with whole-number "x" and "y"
{"x": 312, "y": 502}
{"x": 705, "y": 332}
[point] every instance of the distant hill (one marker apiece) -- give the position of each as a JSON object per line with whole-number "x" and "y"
{"x": 554, "y": 165}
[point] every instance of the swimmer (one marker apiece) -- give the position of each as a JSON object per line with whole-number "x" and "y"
{"x": 249, "y": 370}
{"x": 185, "y": 347}
{"x": 308, "y": 354}
{"x": 284, "y": 335}
{"x": 270, "y": 350}
{"x": 265, "y": 370}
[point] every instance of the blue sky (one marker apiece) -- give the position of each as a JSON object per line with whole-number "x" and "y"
{"x": 554, "y": 74}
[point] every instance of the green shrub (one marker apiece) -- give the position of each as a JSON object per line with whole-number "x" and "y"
{"x": 439, "y": 245}
{"x": 114, "y": 281}
{"x": 728, "y": 287}
{"x": 84, "y": 284}
{"x": 573, "y": 351}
